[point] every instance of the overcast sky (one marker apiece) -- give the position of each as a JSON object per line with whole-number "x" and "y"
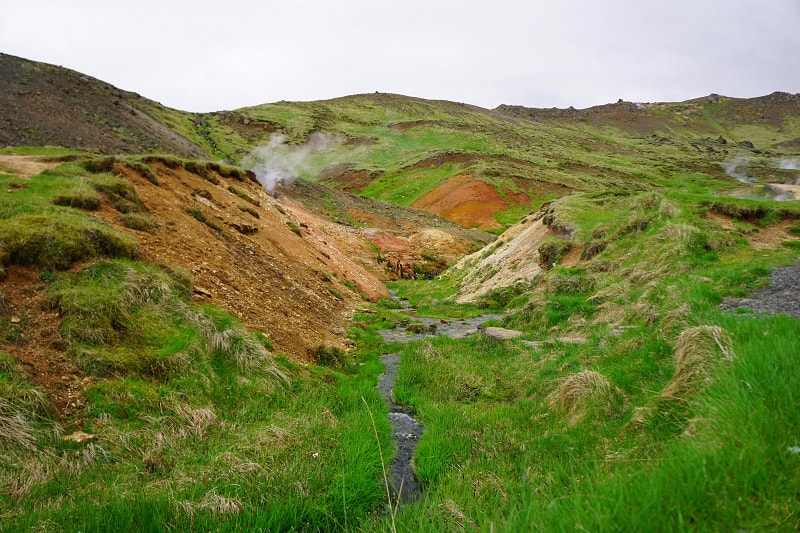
{"x": 200, "y": 55}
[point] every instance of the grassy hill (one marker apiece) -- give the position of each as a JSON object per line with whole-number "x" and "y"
{"x": 180, "y": 349}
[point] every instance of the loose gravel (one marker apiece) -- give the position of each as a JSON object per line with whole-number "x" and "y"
{"x": 781, "y": 296}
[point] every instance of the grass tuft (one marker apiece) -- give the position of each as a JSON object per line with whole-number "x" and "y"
{"x": 584, "y": 393}
{"x": 697, "y": 351}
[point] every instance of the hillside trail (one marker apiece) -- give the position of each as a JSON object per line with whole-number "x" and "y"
{"x": 26, "y": 166}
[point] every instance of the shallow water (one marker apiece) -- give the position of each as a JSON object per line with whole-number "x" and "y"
{"x": 406, "y": 432}
{"x": 420, "y": 327}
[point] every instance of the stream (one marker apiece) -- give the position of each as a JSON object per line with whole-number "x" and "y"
{"x": 424, "y": 328}
{"x": 406, "y": 430}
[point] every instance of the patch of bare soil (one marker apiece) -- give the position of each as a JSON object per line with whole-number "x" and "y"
{"x": 40, "y": 349}
{"x": 766, "y": 238}
{"x": 27, "y": 165}
{"x": 514, "y": 258}
{"x": 385, "y": 239}
{"x": 466, "y": 201}
{"x": 259, "y": 269}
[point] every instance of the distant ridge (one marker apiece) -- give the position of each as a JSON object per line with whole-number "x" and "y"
{"x": 42, "y": 104}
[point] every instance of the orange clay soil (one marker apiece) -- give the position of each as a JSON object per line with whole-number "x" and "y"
{"x": 467, "y": 201}
{"x": 291, "y": 287}
{"x": 259, "y": 269}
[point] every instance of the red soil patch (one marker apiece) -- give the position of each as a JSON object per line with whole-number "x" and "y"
{"x": 466, "y": 201}
{"x": 40, "y": 350}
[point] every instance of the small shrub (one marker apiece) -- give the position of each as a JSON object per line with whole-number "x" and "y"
{"x": 244, "y": 196}
{"x": 230, "y": 171}
{"x": 295, "y": 228}
{"x": 145, "y": 171}
{"x": 569, "y": 281}
{"x": 138, "y": 222}
{"x": 249, "y": 210}
{"x": 201, "y": 217}
{"x": 637, "y": 223}
{"x": 585, "y": 393}
{"x": 593, "y": 247}
{"x": 697, "y": 350}
{"x": 336, "y": 294}
{"x": 202, "y": 169}
{"x": 100, "y": 164}
{"x": 740, "y": 211}
{"x": 81, "y": 196}
{"x": 551, "y": 250}
{"x": 329, "y": 356}
{"x": 169, "y": 161}
{"x": 121, "y": 193}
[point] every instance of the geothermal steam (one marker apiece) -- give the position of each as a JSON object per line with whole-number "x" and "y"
{"x": 281, "y": 162}
{"x": 736, "y": 167}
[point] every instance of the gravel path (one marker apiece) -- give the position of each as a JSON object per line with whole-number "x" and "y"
{"x": 781, "y": 296}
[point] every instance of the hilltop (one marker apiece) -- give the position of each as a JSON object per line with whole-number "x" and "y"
{"x": 477, "y": 167}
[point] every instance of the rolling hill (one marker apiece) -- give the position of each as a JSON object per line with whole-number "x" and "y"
{"x": 195, "y": 312}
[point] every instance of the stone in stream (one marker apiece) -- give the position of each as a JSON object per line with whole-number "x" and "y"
{"x": 563, "y": 340}
{"x": 501, "y": 334}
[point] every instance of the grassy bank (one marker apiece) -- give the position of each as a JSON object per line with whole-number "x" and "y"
{"x": 187, "y": 420}
{"x": 639, "y": 406}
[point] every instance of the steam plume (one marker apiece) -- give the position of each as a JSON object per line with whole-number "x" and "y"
{"x": 789, "y": 164}
{"x": 736, "y": 167}
{"x": 280, "y": 162}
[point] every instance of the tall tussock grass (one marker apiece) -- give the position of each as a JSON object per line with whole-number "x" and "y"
{"x": 697, "y": 351}
{"x": 113, "y": 304}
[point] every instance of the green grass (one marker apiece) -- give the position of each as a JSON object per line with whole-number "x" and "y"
{"x": 197, "y": 424}
{"x": 582, "y": 435}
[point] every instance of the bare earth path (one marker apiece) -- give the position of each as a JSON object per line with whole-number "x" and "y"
{"x": 27, "y": 165}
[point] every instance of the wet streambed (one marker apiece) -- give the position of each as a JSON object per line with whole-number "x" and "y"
{"x": 406, "y": 430}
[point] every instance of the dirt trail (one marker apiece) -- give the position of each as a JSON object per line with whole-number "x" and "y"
{"x": 27, "y": 165}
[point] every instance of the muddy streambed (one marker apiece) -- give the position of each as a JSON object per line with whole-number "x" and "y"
{"x": 406, "y": 430}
